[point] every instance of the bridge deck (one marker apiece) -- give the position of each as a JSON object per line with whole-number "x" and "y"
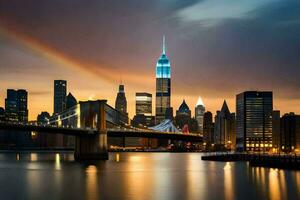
{"x": 120, "y": 132}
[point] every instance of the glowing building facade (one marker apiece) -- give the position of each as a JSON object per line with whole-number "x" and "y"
{"x": 163, "y": 85}
{"x": 199, "y": 114}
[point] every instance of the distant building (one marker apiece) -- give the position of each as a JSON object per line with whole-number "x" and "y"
{"x": 43, "y": 118}
{"x": 60, "y": 92}
{"x": 2, "y": 114}
{"x": 199, "y": 114}
{"x": 290, "y": 132}
{"x": 169, "y": 113}
{"x": 276, "y": 129}
{"x": 71, "y": 101}
{"x": 143, "y": 109}
{"x": 16, "y": 106}
{"x": 224, "y": 131}
{"x": 183, "y": 109}
{"x": 183, "y": 118}
{"x": 254, "y": 120}
{"x": 163, "y": 85}
{"x": 208, "y": 134}
{"x": 121, "y": 102}
{"x": 143, "y": 103}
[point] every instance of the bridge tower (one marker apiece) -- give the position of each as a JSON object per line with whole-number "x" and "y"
{"x": 92, "y": 147}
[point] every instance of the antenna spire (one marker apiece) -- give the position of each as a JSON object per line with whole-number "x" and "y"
{"x": 164, "y": 45}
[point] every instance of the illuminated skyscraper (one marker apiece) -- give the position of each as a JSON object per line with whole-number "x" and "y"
{"x": 60, "y": 92}
{"x": 163, "y": 85}
{"x": 199, "y": 113}
{"x": 143, "y": 103}
{"x": 254, "y": 120}
{"x": 121, "y": 102}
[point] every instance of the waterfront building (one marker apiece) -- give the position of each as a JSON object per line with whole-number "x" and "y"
{"x": 16, "y": 105}
{"x": 254, "y": 120}
{"x": 70, "y": 101}
{"x": 208, "y": 134}
{"x": 290, "y": 133}
{"x": 199, "y": 114}
{"x": 60, "y": 92}
{"x": 276, "y": 130}
{"x": 163, "y": 85}
{"x": 224, "y": 131}
{"x": 121, "y": 102}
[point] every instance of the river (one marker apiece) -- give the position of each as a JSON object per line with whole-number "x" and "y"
{"x": 140, "y": 176}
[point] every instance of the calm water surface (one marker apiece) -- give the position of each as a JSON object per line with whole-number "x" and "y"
{"x": 139, "y": 176}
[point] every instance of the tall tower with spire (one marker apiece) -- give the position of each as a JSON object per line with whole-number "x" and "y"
{"x": 163, "y": 85}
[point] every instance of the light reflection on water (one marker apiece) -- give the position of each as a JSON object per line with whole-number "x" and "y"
{"x": 137, "y": 176}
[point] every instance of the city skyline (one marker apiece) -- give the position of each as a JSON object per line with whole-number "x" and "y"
{"x": 215, "y": 70}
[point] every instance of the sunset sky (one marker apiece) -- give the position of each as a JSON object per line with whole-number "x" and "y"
{"x": 217, "y": 49}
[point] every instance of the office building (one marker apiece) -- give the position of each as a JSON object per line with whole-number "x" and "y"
{"x": 16, "y": 106}
{"x": 70, "y": 101}
{"x": 2, "y": 114}
{"x": 121, "y": 102}
{"x": 60, "y": 92}
{"x": 199, "y": 114}
{"x": 290, "y": 133}
{"x": 276, "y": 130}
{"x": 208, "y": 134}
{"x": 254, "y": 120}
{"x": 224, "y": 130}
{"x": 163, "y": 85}
{"x": 143, "y": 103}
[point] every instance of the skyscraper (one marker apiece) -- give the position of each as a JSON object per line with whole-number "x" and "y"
{"x": 121, "y": 102}
{"x": 60, "y": 92}
{"x": 290, "y": 132}
{"x": 16, "y": 105}
{"x": 254, "y": 120}
{"x": 276, "y": 129}
{"x": 163, "y": 85}
{"x": 143, "y": 103}
{"x": 224, "y": 131}
{"x": 199, "y": 113}
{"x": 70, "y": 101}
{"x": 208, "y": 134}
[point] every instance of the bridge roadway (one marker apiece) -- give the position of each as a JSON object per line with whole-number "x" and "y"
{"x": 111, "y": 132}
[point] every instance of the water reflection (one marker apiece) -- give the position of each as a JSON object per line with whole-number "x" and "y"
{"x": 57, "y": 162}
{"x": 228, "y": 182}
{"x": 91, "y": 182}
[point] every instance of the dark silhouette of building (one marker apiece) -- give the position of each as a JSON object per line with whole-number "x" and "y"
{"x": 290, "y": 132}
{"x": 16, "y": 105}
{"x": 121, "y": 102}
{"x": 60, "y": 92}
{"x": 163, "y": 85}
{"x": 225, "y": 134}
{"x": 71, "y": 101}
{"x": 254, "y": 120}
{"x": 2, "y": 114}
{"x": 43, "y": 118}
{"x": 208, "y": 134}
{"x": 169, "y": 113}
{"x": 276, "y": 130}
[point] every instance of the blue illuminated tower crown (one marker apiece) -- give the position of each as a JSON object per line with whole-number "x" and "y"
{"x": 163, "y": 67}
